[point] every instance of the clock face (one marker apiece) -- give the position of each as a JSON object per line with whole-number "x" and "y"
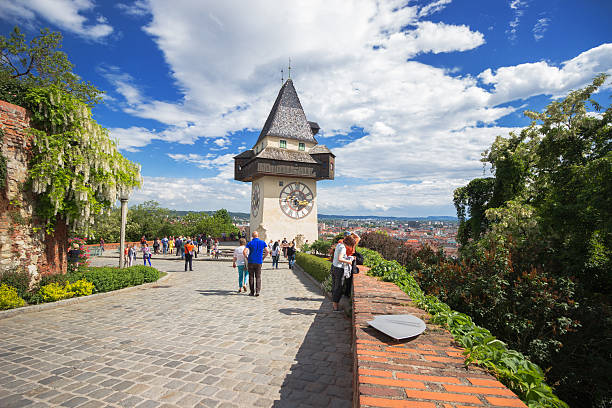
{"x": 255, "y": 200}
{"x": 296, "y": 200}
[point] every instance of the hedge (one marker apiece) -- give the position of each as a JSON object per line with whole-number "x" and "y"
{"x": 106, "y": 279}
{"x": 315, "y": 266}
{"x": 511, "y": 367}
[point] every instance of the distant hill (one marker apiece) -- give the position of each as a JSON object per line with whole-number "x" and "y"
{"x": 340, "y": 217}
{"x": 383, "y": 218}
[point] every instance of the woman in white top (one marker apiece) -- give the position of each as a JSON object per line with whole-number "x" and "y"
{"x": 243, "y": 273}
{"x": 340, "y": 259}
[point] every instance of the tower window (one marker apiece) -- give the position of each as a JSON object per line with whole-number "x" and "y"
{"x": 283, "y": 144}
{"x": 302, "y": 146}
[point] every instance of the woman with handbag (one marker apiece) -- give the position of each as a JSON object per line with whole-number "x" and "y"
{"x": 341, "y": 261}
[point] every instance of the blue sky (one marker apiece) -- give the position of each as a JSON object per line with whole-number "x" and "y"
{"x": 407, "y": 94}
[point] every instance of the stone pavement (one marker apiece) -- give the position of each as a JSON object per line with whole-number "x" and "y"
{"x": 190, "y": 341}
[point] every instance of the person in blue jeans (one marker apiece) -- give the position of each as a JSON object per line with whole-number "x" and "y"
{"x": 291, "y": 254}
{"x": 255, "y": 252}
{"x": 239, "y": 261}
{"x": 146, "y": 254}
{"x": 275, "y": 254}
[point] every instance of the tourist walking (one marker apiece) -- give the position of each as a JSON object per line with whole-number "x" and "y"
{"x": 275, "y": 253}
{"x": 189, "y": 250}
{"x": 156, "y": 246}
{"x": 255, "y": 252}
{"x": 291, "y": 254}
{"x": 131, "y": 255}
{"x": 164, "y": 245}
{"x": 101, "y": 244}
{"x": 341, "y": 262}
{"x": 208, "y": 244}
{"x": 284, "y": 246}
{"x": 239, "y": 261}
{"x": 146, "y": 254}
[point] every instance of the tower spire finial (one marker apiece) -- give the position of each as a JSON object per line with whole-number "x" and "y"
{"x": 289, "y": 67}
{"x": 282, "y": 76}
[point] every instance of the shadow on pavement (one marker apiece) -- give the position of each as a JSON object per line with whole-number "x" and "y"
{"x": 294, "y": 311}
{"x": 312, "y": 299}
{"x": 218, "y": 292}
{"x": 321, "y": 375}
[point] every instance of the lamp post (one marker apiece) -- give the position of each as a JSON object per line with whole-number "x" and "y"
{"x": 123, "y": 197}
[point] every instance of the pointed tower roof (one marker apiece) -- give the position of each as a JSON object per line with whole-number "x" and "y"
{"x": 287, "y": 118}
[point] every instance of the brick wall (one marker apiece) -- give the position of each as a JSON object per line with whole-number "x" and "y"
{"x": 21, "y": 244}
{"x": 424, "y": 372}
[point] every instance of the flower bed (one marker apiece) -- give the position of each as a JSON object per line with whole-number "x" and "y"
{"x": 15, "y": 292}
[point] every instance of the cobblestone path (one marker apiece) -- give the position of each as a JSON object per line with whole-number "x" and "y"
{"x": 192, "y": 341}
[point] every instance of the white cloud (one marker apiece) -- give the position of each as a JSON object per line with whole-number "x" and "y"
{"x": 133, "y": 138}
{"x": 66, "y": 14}
{"x": 518, "y": 10}
{"x": 388, "y": 197}
{"x": 353, "y": 66}
{"x": 194, "y": 194}
{"x": 530, "y": 79}
{"x": 209, "y": 161}
{"x": 138, "y": 8}
{"x": 540, "y": 27}
{"x": 243, "y": 58}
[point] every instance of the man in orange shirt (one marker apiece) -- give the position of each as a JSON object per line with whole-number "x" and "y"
{"x": 189, "y": 249}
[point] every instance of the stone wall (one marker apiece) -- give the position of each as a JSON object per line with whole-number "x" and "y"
{"x": 424, "y": 372}
{"x": 23, "y": 242}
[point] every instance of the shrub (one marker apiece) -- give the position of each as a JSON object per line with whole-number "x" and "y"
{"x": 316, "y": 267}
{"x": 9, "y": 298}
{"x": 512, "y": 368}
{"x": 106, "y": 279}
{"x": 80, "y": 288}
{"x": 320, "y": 246}
{"x": 54, "y": 292}
{"x": 18, "y": 279}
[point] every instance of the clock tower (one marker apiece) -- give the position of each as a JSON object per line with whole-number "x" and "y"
{"x": 284, "y": 167}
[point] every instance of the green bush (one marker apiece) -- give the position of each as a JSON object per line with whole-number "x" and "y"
{"x": 315, "y": 266}
{"x": 54, "y": 292}
{"x": 9, "y": 298}
{"x": 512, "y": 368}
{"x": 17, "y": 278}
{"x": 106, "y": 278}
{"x": 80, "y": 288}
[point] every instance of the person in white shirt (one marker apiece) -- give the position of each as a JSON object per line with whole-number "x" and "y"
{"x": 340, "y": 259}
{"x": 239, "y": 261}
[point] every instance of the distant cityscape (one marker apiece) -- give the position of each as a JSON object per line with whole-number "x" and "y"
{"x": 439, "y": 232}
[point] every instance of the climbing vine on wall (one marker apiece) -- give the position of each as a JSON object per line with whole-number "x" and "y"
{"x": 76, "y": 170}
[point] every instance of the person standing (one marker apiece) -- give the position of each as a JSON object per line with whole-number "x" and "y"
{"x": 189, "y": 250}
{"x": 255, "y": 252}
{"x": 291, "y": 254}
{"x": 208, "y": 244}
{"x": 171, "y": 245}
{"x": 338, "y": 266}
{"x": 275, "y": 254}
{"x": 164, "y": 242}
{"x": 239, "y": 261}
{"x": 284, "y": 246}
{"x": 146, "y": 254}
{"x": 131, "y": 255}
{"x": 101, "y": 245}
{"x": 156, "y": 246}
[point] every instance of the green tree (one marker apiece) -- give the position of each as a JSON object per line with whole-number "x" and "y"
{"x": 39, "y": 63}
{"x": 545, "y": 217}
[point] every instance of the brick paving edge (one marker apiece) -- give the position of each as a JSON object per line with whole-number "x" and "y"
{"x": 45, "y": 306}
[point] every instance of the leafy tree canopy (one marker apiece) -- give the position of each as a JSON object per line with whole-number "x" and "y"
{"x": 39, "y": 63}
